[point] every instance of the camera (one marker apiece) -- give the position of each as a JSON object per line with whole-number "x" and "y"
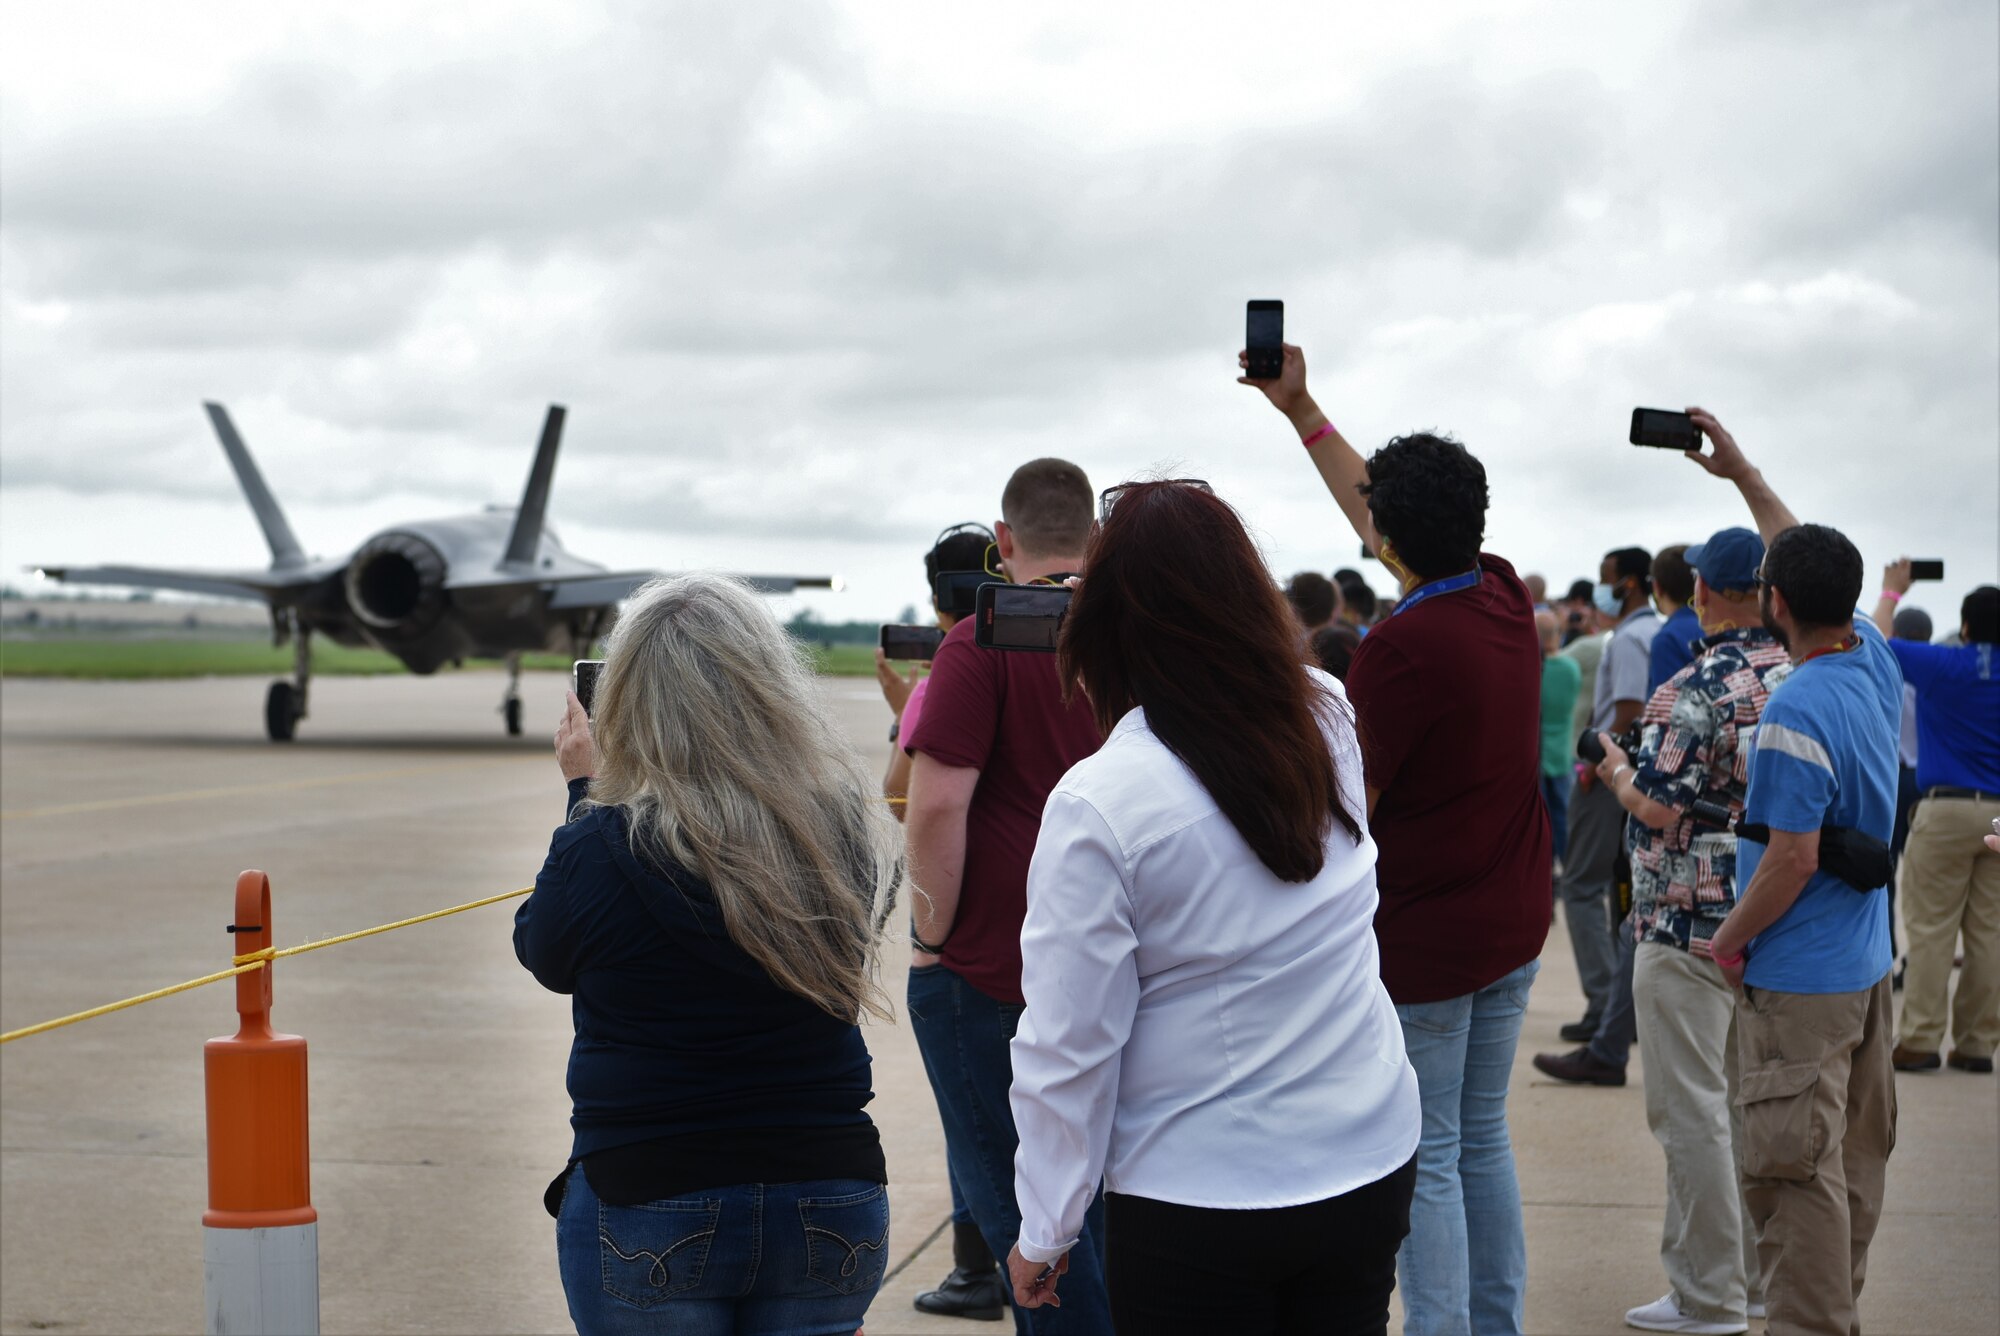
{"x": 1588, "y": 748}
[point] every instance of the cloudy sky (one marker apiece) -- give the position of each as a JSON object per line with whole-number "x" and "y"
{"x": 812, "y": 279}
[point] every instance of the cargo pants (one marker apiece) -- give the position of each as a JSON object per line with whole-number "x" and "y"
{"x": 1819, "y": 1120}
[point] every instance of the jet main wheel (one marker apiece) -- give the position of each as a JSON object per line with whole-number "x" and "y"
{"x": 281, "y": 711}
{"x": 513, "y": 713}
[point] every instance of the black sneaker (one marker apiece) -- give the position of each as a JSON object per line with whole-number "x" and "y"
{"x": 1966, "y": 1063}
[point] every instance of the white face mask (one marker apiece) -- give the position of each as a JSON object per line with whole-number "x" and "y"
{"x": 1606, "y": 598}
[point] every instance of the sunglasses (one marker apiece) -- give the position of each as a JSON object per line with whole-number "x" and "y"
{"x": 1108, "y": 498}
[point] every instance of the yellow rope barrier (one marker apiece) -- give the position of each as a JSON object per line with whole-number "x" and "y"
{"x": 277, "y": 953}
{"x": 244, "y": 964}
{"x": 110, "y": 1007}
{"x": 256, "y": 959}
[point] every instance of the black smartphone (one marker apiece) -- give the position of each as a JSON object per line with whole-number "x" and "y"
{"x": 1264, "y": 340}
{"x": 915, "y": 644}
{"x": 584, "y": 681}
{"x": 1927, "y": 570}
{"x": 1668, "y": 431}
{"x": 1029, "y": 617}
{"x": 955, "y": 591}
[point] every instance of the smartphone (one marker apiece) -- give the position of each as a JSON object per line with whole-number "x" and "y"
{"x": 1028, "y": 617}
{"x": 1264, "y": 340}
{"x": 916, "y": 644}
{"x": 955, "y": 591}
{"x": 584, "y": 679}
{"x": 1668, "y": 431}
{"x": 1926, "y": 570}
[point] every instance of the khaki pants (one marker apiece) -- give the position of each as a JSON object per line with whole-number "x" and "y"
{"x": 1819, "y": 1121}
{"x": 1949, "y": 883}
{"x": 1686, "y": 1017}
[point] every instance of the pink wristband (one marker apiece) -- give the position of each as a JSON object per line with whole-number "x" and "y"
{"x": 1892, "y": 596}
{"x": 1734, "y": 962}
{"x": 1318, "y": 436}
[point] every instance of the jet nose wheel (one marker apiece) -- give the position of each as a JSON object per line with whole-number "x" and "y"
{"x": 512, "y": 710}
{"x": 281, "y": 711}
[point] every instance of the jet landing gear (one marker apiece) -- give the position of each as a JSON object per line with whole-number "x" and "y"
{"x": 285, "y": 703}
{"x": 510, "y": 704}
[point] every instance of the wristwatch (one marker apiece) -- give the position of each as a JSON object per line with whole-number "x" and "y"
{"x": 895, "y": 727}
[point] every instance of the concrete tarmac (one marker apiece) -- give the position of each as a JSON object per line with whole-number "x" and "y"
{"x": 438, "y": 1111}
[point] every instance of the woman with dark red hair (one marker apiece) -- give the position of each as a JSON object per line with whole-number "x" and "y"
{"x": 1206, "y": 1028}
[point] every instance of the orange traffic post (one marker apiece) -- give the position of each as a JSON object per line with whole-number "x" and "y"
{"x": 260, "y": 1246}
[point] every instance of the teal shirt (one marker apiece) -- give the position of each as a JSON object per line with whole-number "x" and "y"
{"x": 1562, "y": 679}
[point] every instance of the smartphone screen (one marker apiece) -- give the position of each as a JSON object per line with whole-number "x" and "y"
{"x": 1664, "y": 429}
{"x": 1026, "y": 617}
{"x": 1264, "y": 340}
{"x": 915, "y": 644}
{"x": 1927, "y": 570}
{"x": 586, "y": 673}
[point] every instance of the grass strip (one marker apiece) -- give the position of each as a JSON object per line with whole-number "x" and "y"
{"x": 133, "y": 659}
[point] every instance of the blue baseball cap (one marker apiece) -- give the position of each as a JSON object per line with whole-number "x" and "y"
{"x": 1729, "y": 560}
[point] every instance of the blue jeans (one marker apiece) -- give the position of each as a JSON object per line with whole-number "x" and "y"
{"x": 963, "y": 1035}
{"x": 777, "y": 1259}
{"x": 1464, "y": 1267}
{"x": 1555, "y": 797}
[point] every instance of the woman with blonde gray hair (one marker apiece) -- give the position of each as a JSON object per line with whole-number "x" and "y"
{"x": 712, "y": 904}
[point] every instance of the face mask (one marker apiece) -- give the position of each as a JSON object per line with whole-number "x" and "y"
{"x": 1606, "y": 598}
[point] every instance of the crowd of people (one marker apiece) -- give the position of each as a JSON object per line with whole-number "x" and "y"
{"x": 1223, "y": 919}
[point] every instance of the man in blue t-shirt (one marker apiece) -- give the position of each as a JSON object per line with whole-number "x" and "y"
{"x": 1673, "y": 594}
{"x": 1950, "y": 880}
{"x": 1808, "y": 953}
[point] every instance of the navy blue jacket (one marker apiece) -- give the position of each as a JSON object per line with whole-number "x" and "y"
{"x": 678, "y": 1031}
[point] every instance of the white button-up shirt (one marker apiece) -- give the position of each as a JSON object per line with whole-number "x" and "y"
{"x": 1197, "y": 1031}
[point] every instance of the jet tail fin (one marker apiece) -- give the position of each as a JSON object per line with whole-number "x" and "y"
{"x": 526, "y": 538}
{"x": 285, "y": 549}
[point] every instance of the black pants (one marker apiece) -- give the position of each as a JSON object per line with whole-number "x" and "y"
{"x": 1325, "y": 1267}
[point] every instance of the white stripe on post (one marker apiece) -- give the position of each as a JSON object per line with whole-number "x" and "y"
{"x": 261, "y": 1282}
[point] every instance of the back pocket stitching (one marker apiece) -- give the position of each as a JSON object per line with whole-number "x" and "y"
{"x": 658, "y": 1260}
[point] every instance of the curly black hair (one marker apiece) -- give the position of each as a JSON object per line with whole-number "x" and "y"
{"x": 1428, "y": 496}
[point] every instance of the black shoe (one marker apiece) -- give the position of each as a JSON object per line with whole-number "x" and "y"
{"x": 1967, "y": 1063}
{"x": 975, "y": 1288}
{"x": 1578, "y": 1067}
{"x": 1578, "y": 1032}
{"x": 981, "y": 1297}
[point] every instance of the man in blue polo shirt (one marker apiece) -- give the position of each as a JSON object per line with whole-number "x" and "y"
{"x": 1808, "y": 952}
{"x": 1950, "y": 880}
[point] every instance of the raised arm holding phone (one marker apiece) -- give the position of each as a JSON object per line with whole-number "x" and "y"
{"x": 1447, "y": 692}
{"x": 1808, "y": 952}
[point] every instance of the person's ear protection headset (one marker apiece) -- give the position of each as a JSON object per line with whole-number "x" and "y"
{"x": 955, "y": 590}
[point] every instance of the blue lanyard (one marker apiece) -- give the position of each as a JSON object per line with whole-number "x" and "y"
{"x": 1449, "y": 585}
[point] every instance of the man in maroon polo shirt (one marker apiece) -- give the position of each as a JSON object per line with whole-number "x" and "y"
{"x": 1447, "y": 698}
{"x": 994, "y": 738}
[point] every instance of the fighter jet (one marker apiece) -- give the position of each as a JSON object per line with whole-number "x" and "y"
{"x": 492, "y": 585}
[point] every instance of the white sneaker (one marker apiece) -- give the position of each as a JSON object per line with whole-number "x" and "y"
{"x": 1663, "y": 1314}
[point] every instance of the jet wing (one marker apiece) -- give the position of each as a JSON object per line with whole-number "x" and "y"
{"x": 256, "y": 586}
{"x": 593, "y": 590}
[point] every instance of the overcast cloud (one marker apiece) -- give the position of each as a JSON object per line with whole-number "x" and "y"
{"x": 812, "y": 279}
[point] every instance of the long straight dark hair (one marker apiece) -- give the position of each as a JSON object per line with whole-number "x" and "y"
{"x": 1178, "y": 615}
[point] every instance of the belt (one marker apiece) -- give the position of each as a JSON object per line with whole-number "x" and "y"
{"x": 1951, "y": 791}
